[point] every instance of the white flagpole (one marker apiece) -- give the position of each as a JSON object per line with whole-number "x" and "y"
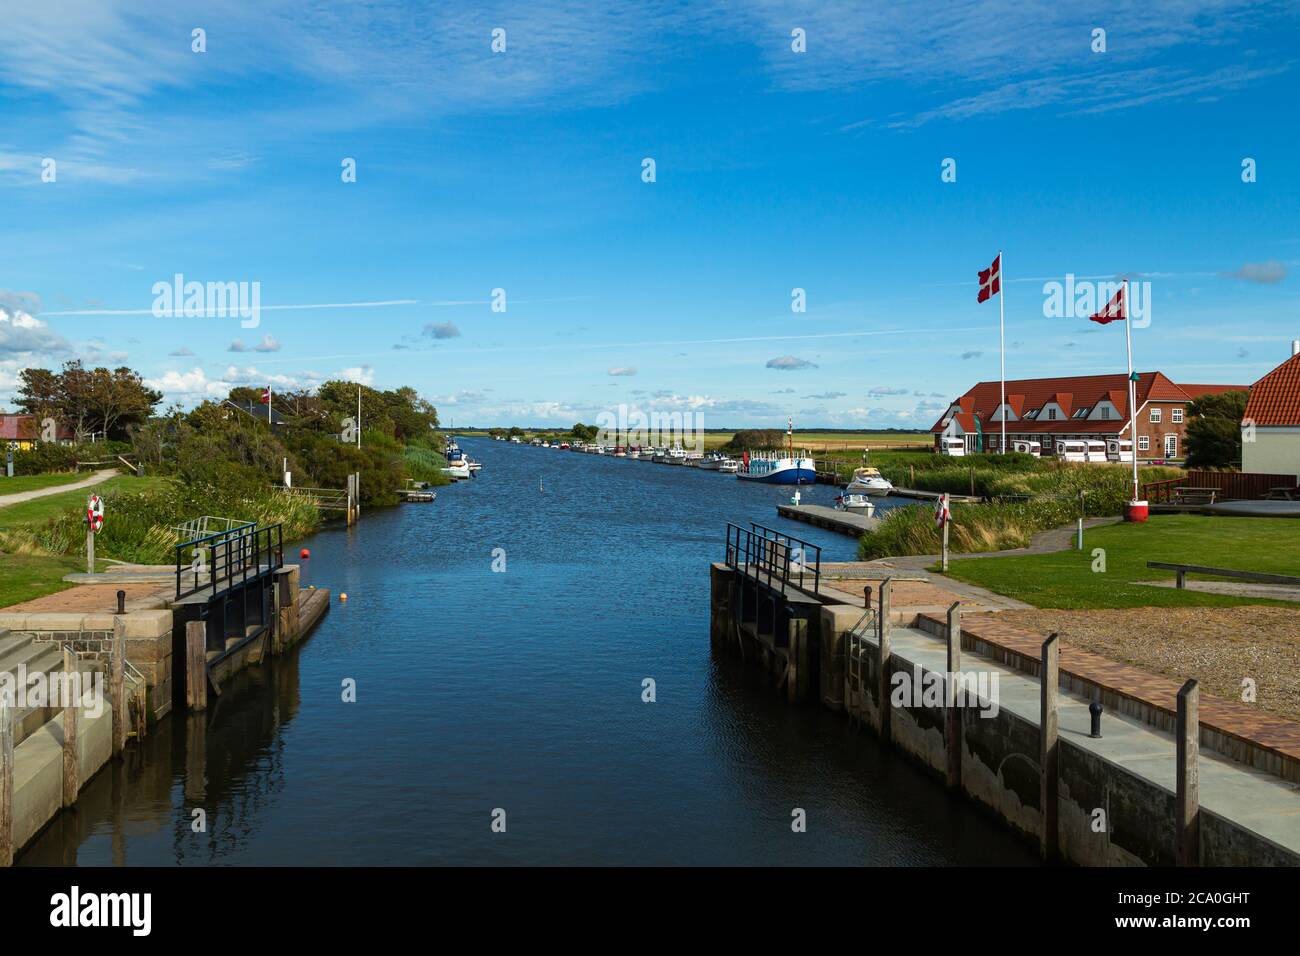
{"x": 268, "y": 406}
{"x": 1132, "y": 388}
{"x": 1002, "y": 337}
{"x": 358, "y": 415}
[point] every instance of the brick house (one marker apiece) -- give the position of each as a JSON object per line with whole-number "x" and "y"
{"x": 22, "y": 432}
{"x": 1080, "y": 407}
{"x": 1270, "y": 426}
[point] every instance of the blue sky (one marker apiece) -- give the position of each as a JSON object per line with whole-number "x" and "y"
{"x": 522, "y": 171}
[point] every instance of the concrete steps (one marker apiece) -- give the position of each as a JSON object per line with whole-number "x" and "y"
{"x": 27, "y": 657}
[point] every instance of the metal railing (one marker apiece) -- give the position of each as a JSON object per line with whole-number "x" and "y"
{"x": 773, "y": 557}
{"x": 225, "y": 559}
{"x": 327, "y": 499}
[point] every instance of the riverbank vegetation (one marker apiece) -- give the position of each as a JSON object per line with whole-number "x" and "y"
{"x": 1026, "y": 495}
{"x": 225, "y": 458}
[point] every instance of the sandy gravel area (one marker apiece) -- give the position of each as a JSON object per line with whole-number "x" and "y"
{"x": 1220, "y": 647}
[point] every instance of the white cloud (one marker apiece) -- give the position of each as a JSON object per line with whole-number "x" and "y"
{"x": 20, "y": 331}
{"x": 622, "y": 370}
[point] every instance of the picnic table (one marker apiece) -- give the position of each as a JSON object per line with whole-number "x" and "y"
{"x": 1282, "y": 493}
{"x": 1192, "y": 495}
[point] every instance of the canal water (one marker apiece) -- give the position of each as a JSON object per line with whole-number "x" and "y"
{"x": 520, "y": 690}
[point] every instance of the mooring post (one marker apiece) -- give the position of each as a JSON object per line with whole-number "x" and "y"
{"x": 196, "y": 666}
{"x": 118, "y": 680}
{"x": 952, "y": 722}
{"x": 882, "y": 633}
{"x": 1047, "y": 756}
{"x": 71, "y": 763}
{"x": 6, "y": 783}
{"x": 1188, "y": 796}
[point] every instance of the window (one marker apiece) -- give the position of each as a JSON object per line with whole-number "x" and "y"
{"x": 1155, "y": 414}
{"x": 1051, "y": 414}
{"x": 1144, "y": 443}
{"x": 1081, "y": 413}
{"x": 1171, "y": 446}
{"x": 1032, "y": 413}
{"x": 1176, "y": 416}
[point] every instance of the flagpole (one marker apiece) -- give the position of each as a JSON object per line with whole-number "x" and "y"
{"x": 268, "y": 406}
{"x": 1002, "y": 337}
{"x": 1132, "y": 389}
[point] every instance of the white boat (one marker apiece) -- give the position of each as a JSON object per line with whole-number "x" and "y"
{"x": 712, "y": 461}
{"x": 855, "y": 503}
{"x": 474, "y": 466}
{"x": 728, "y": 466}
{"x": 868, "y": 481}
{"x": 675, "y": 455}
{"x": 457, "y": 470}
{"x": 516, "y": 440}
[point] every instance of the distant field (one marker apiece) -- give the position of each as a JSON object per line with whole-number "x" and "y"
{"x": 804, "y": 441}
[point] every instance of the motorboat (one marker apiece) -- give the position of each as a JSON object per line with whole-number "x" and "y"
{"x": 869, "y": 481}
{"x": 855, "y": 503}
{"x": 728, "y": 466}
{"x": 712, "y": 461}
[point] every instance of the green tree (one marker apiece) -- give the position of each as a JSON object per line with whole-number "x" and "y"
{"x": 1214, "y": 431}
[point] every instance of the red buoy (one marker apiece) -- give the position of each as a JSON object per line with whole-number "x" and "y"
{"x": 304, "y": 554}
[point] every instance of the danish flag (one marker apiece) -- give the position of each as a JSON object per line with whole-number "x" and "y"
{"x": 991, "y": 280}
{"x": 1114, "y": 310}
{"x": 266, "y": 395}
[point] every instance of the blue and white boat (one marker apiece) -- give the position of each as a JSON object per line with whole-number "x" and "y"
{"x": 777, "y": 468}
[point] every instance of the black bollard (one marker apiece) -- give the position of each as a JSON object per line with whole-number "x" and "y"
{"x": 121, "y": 602}
{"x": 1095, "y": 710}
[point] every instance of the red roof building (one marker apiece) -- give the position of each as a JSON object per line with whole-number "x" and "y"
{"x": 1045, "y": 410}
{"x": 1270, "y": 426}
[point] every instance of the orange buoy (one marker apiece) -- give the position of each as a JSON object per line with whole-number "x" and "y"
{"x": 304, "y": 554}
{"x": 343, "y": 596}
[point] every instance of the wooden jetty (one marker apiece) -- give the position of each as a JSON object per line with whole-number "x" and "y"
{"x": 845, "y": 522}
{"x": 416, "y": 494}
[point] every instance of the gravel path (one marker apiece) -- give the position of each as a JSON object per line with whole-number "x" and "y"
{"x": 1220, "y": 647}
{"x": 1045, "y": 542}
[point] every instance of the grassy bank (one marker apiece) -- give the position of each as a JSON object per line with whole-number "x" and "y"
{"x": 21, "y": 483}
{"x": 1031, "y": 496}
{"x": 1067, "y": 579}
{"x": 43, "y": 539}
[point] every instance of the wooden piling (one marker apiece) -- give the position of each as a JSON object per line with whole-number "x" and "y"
{"x": 196, "y": 666}
{"x": 71, "y": 711}
{"x": 6, "y": 783}
{"x": 1187, "y": 818}
{"x": 952, "y": 718}
{"x": 118, "y": 682}
{"x": 882, "y": 634}
{"x": 1049, "y": 675}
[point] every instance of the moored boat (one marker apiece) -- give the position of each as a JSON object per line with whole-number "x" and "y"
{"x": 856, "y": 503}
{"x": 869, "y": 481}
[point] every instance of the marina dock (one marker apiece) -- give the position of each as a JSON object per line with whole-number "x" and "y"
{"x": 845, "y": 522}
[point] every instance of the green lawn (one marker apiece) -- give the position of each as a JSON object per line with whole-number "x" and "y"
{"x": 39, "y": 510}
{"x": 1066, "y": 579}
{"x": 21, "y": 483}
{"x": 27, "y": 576}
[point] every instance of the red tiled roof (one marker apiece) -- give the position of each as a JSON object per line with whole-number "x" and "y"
{"x": 1071, "y": 393}
{"x": 17, "y": 428}
{"x": 1275, "y": 398}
